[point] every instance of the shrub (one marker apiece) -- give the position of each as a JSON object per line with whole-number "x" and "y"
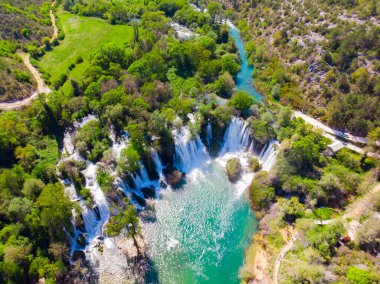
{"x": 262, "y": 194}
{"x": 129, "y": 160}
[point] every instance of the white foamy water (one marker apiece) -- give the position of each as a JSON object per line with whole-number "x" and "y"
{"x": 202, "y": 229}
{"x": 189, "y": 153}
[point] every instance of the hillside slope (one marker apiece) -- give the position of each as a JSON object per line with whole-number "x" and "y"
{"x": 319, "y": 56}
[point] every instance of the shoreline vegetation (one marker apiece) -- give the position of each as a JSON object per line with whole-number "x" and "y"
{"x": 278, "y": 230}
{"x": 79, "y": 167}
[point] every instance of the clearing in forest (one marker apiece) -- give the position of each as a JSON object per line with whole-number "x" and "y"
{"x": 83, "y": 36}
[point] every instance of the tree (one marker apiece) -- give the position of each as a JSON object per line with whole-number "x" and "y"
{"x": 125, "y": 220}
{"x": 357, "y": 275}
{"x": 55, "y": 210}
{"x": 26, "y": 156}
{"x": 214, "y": 10}
{"x": 32, "y": 188}
{"x": 229, "y": 64}
{"x": 158, "y": 122}
{"x": 262, "y": 131}
{"x": 129, "y": 160}
{"x": 150, "y": 67}
{"x": 13, "y": 131}
{"x": 374, "y": 139}
{"x": 241, "y": 101}
{"x": 91, "y": 140}
{"x": 285, "y": 116}
{"x": 303, "y": 154}
{"x": 137, "y": 137}
{"x": 170, "y": 7}
{"x": 324, "y": 238}
{"x": 261, "y": 193}
{"x": 225, "y": 85}
{"x": 369, "y": 235}
{"x": 291, "y": 208}
{"x": 276, "y": 91}
{"x": 19, "y": 208}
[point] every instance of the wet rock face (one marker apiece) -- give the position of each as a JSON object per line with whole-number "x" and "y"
{"x": 233, "y": 169}
{"x": 174, "y": 177}
{"x": 79, "y": 255}
{"x": 148, "y": 192}
{"x": 82, "y": 240}
{"x": 141, "y": 201}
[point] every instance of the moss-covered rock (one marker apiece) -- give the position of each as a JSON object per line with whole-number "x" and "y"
{"x": 233, "y": 169}
{"x": 254, "y": 164}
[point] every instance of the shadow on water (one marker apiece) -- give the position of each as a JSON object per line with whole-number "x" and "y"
{"x": 152, "y": 273}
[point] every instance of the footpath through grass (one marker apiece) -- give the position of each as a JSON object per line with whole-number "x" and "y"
{"x": 83, "y": 36}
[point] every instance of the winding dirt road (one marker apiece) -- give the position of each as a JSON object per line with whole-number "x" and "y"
{"x": 41, "y": 86}
{"x": 55, "y": 28}
{"x": 336, "y": 135}
{"x": 281, "y": 255}
{"x": 339, "y": 134}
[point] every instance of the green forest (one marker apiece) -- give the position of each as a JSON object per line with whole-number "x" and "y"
{"x": 122, "y": 68}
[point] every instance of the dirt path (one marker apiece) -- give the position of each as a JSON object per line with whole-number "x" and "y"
{"x": 336, "y": 135}
{"x": 41, "y": 87}
{"x": 55, "y": 28}
{"x": 358, "y": 207}
{"x": 285, "y": 249}
{"x": 260, "y": 266}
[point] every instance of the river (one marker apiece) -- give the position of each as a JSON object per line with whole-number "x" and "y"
{"x": 202, "y": 229}
{"x": 244, "y": 80}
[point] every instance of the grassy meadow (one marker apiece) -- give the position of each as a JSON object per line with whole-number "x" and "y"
{"x": 83, "y": 36}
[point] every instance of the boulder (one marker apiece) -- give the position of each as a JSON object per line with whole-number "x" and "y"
{"x": 82, "y": 240}
{"x": 174, "y": 177}
{"x": 233, "y": 169}
{"x": 79, "y": 255}
{"x": 148, "y": 192}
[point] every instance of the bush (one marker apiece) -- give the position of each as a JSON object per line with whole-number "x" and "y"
{"x": 261, "y": 191}
{"x": 79, "y": 60}
{"x": 254, "y": 164}
{"x": 129, "y": 160}
{"x": 361, "y": 276}
{"x": 60, "y": 81}
{"x": 91, "y": 141}
{"x": 241, "y": 101}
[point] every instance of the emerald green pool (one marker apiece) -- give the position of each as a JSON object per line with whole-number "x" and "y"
{"x": 201, "y": 231}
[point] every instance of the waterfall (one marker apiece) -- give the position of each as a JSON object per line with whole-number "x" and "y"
{"x": 236, "y": 137}
{"x": 159, "y": 169}
{"x": 209, "y": 134}
{"x": 98, "y": 195}
{"x": 268, "y": 154}
{"x": 141, "y": 178}
{"x": 141, "y": 181}
{"x": 93, "y": 218}
{"x": 118, "y": 145}
{"x": 189, "y": 153}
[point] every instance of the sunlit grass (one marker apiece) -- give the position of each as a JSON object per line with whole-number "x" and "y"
{"x": 83, "y": 36}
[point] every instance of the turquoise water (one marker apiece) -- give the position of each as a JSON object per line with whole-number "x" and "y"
{"x": 201, "y": 230}
{"x": 244, "y": 80}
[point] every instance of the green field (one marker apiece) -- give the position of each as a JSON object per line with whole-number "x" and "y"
{"x": 83, "y": 36}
